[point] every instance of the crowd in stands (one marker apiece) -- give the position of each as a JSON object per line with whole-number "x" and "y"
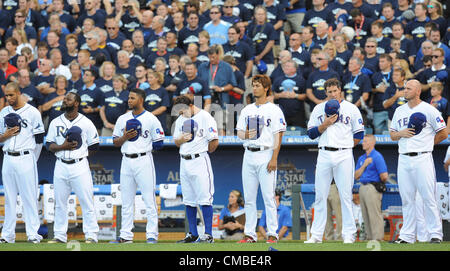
{"x": 211, "y": 48}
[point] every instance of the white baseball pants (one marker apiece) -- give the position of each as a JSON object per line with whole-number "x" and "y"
{"x": 255, "y": 174}
{"x": 19, "y": 175}
{"x": 138, "y": 173}
{"x": 77, "y": 178}
{"x": 417, "y": 174}
{"x": 339, "y": 165}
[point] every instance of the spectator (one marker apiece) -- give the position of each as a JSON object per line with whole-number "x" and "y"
{"x": 315, "y": 90}
{"x": 289, "y": 93}
{"x": 192, "y": 53}
{"x": 356, "y": 85}
{"x": 52, "y": 103}
{"x": 232, "y": 217}
{"x": 76, "y": 82}
{"x": 178, "y": 20}
{"x": 228, "y": 14}
{"x": 416, "y": 28}
{"x": 299, "y": 55}
{"x": 407, "y": 46}
{"x": 383, "y": 43}
{"x": 381, "y": 81}
{"x": 189, "y": 34}
{"x": 427, "y": 50}
{"x": 159, "y": 51}
{"x": 263, "y": 37}
{"x": 438, "y": 72}
{"x": 107, "y": 71}
{"x": 130, "y": 16}
{"x": 57, "y": 67}
{"x": 93, "y": 42}
{"x": 115, "y": 104}
{"x": 371, "y": 171}
{"x": 217, "y": 28}
{"x": 5, "y": 66}
{"x": 11, "y": 45}
{"x": 394, "y": 96}
{"x": 318, "y": 13}
{"x": 127, "y": 45}
{"x": 156, "y": 33}
{"x": 343, "y": 54}
{"x": 284, "y": 219}
{"x": 44, "y": 80}
{"x": 28, "y": 90}
{"x": 203, "y": 46}
{"x": 19, "y": 23}
{"x": 194, "y": 86}
{"x": 91, "y": 99}
{"x": 371, "y": 57}
{"x": 123, "y": 67}
{"x": 436, "y": 98}
{"x": 174, "y": 75}
{"x": 67, "y": 20}
{"x": 365, "y": 8}
{"x": 146, "y": 23}
{"x": 435, "y": 13}
{"x": 55, "y": 24}
{"x": 362, "y": 25}
{"x": 284, "y": 56}
{"x": 92, "y": 12}
{"x": 172, "y": 44}
{"x": 115, "y": 36}
{"x": 160, "y": 66}
{"x": 72, "y": 49}
{"x": 239, "y": 89}
{"x": 140, "y": 50}
{"x": 240, "y": 51}
{"x": 321, "y": 37}
{"x": 157, "y": 99}
{"x": 334, "y": 63}
{"x": 307, "y": 36}
{"x": 388, "y": 13}
{"x": 22, "y": 40}
{"x": 141, "y": 77}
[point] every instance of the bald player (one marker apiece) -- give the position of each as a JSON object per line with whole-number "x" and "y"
{"x": 416, "y": 171}
{"x": 21, "y": 148}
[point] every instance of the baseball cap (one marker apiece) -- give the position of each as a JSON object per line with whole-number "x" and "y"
{"x": 262, "y": 67}
{"x": 13, "y": 120}
{"x": 134, "y": 124}
{"x": 332, "y": 107}
{"x": 417, "y": 121}
{"x": 74, "y": 134}
{"x": 190, "y": 126}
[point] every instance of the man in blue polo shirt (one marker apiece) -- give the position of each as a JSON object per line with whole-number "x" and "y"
{"x": 284, "y": 219}
{"x": 371, "y": 171}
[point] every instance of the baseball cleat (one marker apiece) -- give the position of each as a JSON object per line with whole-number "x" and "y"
{"x": 313, "y": 240}
{"x": 207, "y": 238}
{"x": 348, "y": 241}
{"x": 34, "y": 241}
{"x": 400, "y": 241}
{"x": 120, "y": 240}
{"x": 247, "y": 239}
{"x": 56, "y": 241}
{"x": 91, "y": 241}
{"x": 435, "y": 241}
{"x": 3, "y": 241}
{"x": 189, "y": 238}
{"x": 152, "y": 241}
{"x": 272, "y": 240}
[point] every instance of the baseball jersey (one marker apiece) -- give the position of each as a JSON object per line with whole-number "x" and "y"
{"x": 206, "y": 131}
{"x": 31, "y": 125}
{"x": 274, "y": 122}
{"x": 340, "y": 134}
{"x": 152, "y": 131}
{"x": 57, "y": 131}
{"x": 424, "y": 141}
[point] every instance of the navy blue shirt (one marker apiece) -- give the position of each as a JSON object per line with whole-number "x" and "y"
{"x": 104, "y": 85}
{"x": 35, "y": 98}
{"x": 99, "y": 18}
{"x": 92, "y": 97}
{"x": 316, "y": 80}
{"x": 364, "y": 32}
{"x": 241, "y": 52}
{"x": 55, "y": 110}
{"x": 155, "y": 99}
{"x": 417, "y": 30}
{"x": 75, "y": 86}
{"x": 274, "y": 14}
{"x": 390, "y": 92}
{"x": 355, "y": 86}
{"x": 196, "y": 85}
{"x": 312, "y": 17}
{"x": 186, "y": 36}
{"x": 293, "y": 109}
{"x": 430, "y": 75}
{"x": 344, "y": 57}
{"x": 378, "y": 79}
{"x": 116, "y": 104}
{"x": 260, "y": 36}
{"x": 374, "y": 169}
{"x": 129, "y": 24}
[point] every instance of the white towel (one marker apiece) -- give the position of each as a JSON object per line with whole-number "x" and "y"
{"x": 173, "y": 202}
{"x": 168, "y": 190}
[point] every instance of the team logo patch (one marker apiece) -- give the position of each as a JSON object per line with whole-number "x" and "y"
{"x": 159, "y": 132}
{"x": 211, "y": 130}
{"x": 439, "y": 120}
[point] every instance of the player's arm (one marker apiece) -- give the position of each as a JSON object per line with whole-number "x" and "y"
{"x": 120, "y": 140}
{"x": 10, "y": 132}
{"x": 328, "y": 121}
{"x": 183, "y": 138}
{"x": 440, "y": 136}
{"x": 406, "y": 133}
{"x": 66, "y": 146}
{"x": 212, "y": 145}
{"x": 272, "y": 166}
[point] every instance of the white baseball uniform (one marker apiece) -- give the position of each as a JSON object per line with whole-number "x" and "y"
{"x": 138, "y": 171}
{"x": 335, "y": 160}
{"x": 19, "y": 172}
{"x": 257, "y": 155}
{"x": 416, "y": 170}
{"x": 196, "y": 174}
{"x": 72, "y": 172}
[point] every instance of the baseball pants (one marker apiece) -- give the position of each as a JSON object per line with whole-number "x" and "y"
{"x": 339, "y": 165}
{"x": 197, "y": 181}
{"x": 19, "y": 175}
{"x": 138, "y": 173}
{"x": 255, "y": 174}
{"x": 76, "y": 177}
{"x": 417, "y": 174}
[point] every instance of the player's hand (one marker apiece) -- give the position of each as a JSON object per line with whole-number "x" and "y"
{"x": 407, "y": 133}
{"x": 69, "y": 145}
{"x": 130, "y": 134}
{"x": 185, "y": 137}
{"x": 272, "y": 166}
{"x": 330, "y": 120}
{"x": 252, "y": 133}
{"x": 10, "y": 132}
{"x": 446, "y": 167}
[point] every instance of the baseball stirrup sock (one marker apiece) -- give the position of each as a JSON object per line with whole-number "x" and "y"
{"x": 192, "y": 219}
{"x": 207, "y": 211}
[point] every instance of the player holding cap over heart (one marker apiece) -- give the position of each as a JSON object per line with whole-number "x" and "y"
{"x": 339, "y": 126}
{"x": 137, "y": 133}
{"x": 196, "y": 134}
{"x": 417, "y": 126}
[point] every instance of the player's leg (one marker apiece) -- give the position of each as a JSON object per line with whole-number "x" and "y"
{"x": 146, "y": 181}
{"x": 323, "y": 178}
{"x": 62, "y": 192}
{"x": 421, "y": 227}
{"x": 205, "y": 183}
{"x": 267, "y": 183}
{"x": 426, "y": 185}
{"x": 11, "y": 191}
{"x": 26, "y": 174}
{"x": 344, "y": 173}
{"x": 188, "y": 191}
{"x": 250, "y": 185}
{"x": 84, "y": 190}
{"x": 128, "y": 189}
{"x": 406, "y": 176}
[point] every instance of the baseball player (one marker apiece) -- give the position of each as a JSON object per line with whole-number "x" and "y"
{"x": 22, "y": 141}
{"x": 72, "y": 167}
{"x": 196, "y": 134}
{"x": 137, "y": 132}
{"x": 417, "y": 126}
{"x": 261, "y": 125}
{"x": 338, "y": 130}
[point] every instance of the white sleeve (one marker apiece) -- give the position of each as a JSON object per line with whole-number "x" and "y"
{"x": 394, "y": 122}
{"x": 211, "y": 133}
{"x": 242, "y": 121}
{"x": 38, "y": 125}
{"x": 436, "y": 120}
{"x": 357, "y": 121}
{"x": 447, "y": 155}
{"x": 91, "y": 133}
{"x": 279, "y": 123}
{"x": 157, "y": 131}
{"x": 118, "y": 128}
{"x": 51, "y": 133}
{"x": 314, "y": 118}
{"x": 2, "y": 123}
{"x": 177, "y": 129}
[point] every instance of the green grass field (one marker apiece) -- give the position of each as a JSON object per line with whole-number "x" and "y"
{"x": 225, "y": 246}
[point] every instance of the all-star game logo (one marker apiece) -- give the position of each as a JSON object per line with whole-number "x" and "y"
{"x": 100, "y": 175}
{"x": 288, "y": 175}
